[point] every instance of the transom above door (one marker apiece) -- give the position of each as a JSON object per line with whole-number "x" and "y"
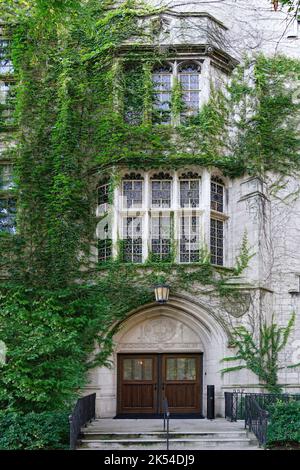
{"x": 145, "y": 379}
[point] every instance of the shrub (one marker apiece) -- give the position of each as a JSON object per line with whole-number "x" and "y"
{"x": 284, "y": 426}
{"x": 33, "y": 431}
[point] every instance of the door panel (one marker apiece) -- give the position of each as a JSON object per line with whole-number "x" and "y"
{"x": 137, "y": 383}
{"x": 145, "y": 379}
{"x": 181, "y": 376}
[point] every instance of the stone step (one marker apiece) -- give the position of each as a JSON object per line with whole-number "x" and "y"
{"x": 174, "y": 444}
{"x": 102, "y": 435}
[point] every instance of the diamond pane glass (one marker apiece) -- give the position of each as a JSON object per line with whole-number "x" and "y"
{"x": 189, "y": 239}
{"x": 161, "y": 237}
{"x": 132, "y": 238}
{"x": 104, "y": 250}
{"x": 217, "y": 241}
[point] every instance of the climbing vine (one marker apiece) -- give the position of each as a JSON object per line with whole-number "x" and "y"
{"x": 260, "y": 354}
{"x": 84, "y": 108}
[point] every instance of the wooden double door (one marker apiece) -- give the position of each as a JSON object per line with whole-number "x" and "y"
{"x": 145, "y": 379}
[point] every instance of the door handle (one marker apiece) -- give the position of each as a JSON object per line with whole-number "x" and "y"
{"x": 155, "y": 387}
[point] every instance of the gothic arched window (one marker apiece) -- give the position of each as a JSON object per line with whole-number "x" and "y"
{"x": 162, "y": 88}
{"x": 189, "y": 78}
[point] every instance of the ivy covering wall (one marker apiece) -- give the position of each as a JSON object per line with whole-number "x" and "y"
{"x": 71, "y": 95}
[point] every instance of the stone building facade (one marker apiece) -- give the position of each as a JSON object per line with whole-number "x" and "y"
{"x": 176, "y": 348}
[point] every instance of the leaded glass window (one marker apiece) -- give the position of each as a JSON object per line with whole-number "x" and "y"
{"x": 161, "y": 193}
{"x": 189, "y": 239}
{"x": 5, "y": 63}
{"x": 217, "y": 241}
{"x": 161, "y": 237}
{"x": 104, "y": 249}
{"x": 132, "y": 239}
{"x": 132, "y": 194}
{"x": 217, "y": 195}
{"x": 189, "y": 77}
{"x": 189, "y": 193}
{"x": 162, "y": 87}
{"x": 8, "y": 215}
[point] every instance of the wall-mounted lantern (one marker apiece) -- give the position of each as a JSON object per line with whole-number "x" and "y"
{"x": 162, "y": 293}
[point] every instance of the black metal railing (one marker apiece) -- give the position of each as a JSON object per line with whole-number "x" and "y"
{"x": 254, "y": 408}
{"x": 234, "y": 405}
{"x": 166, "y": 418}
{"x": 256, "y": 418}
{"x": 83, "y": 413}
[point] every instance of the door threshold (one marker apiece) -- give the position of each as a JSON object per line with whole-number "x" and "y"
{"x": 158, "y": 416}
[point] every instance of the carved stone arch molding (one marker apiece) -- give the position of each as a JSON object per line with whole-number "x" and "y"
{"x": 180, "y": 325}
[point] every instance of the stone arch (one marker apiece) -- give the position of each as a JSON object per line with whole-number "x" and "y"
{"x": 181, "y": 325}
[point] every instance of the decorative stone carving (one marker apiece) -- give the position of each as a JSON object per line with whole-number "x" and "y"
{"x": 160, "y": 333}
{"x": 237, "y": 306}
{"x": 160, "y": 329}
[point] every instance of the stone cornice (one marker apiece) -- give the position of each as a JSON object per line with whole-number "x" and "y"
{"x": 220, "y": 59}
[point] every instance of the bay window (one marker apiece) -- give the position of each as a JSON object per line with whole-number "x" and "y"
{"x": 160, "y": 216}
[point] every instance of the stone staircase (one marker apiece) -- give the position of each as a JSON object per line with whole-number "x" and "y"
{"x": 127, "y": 434}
